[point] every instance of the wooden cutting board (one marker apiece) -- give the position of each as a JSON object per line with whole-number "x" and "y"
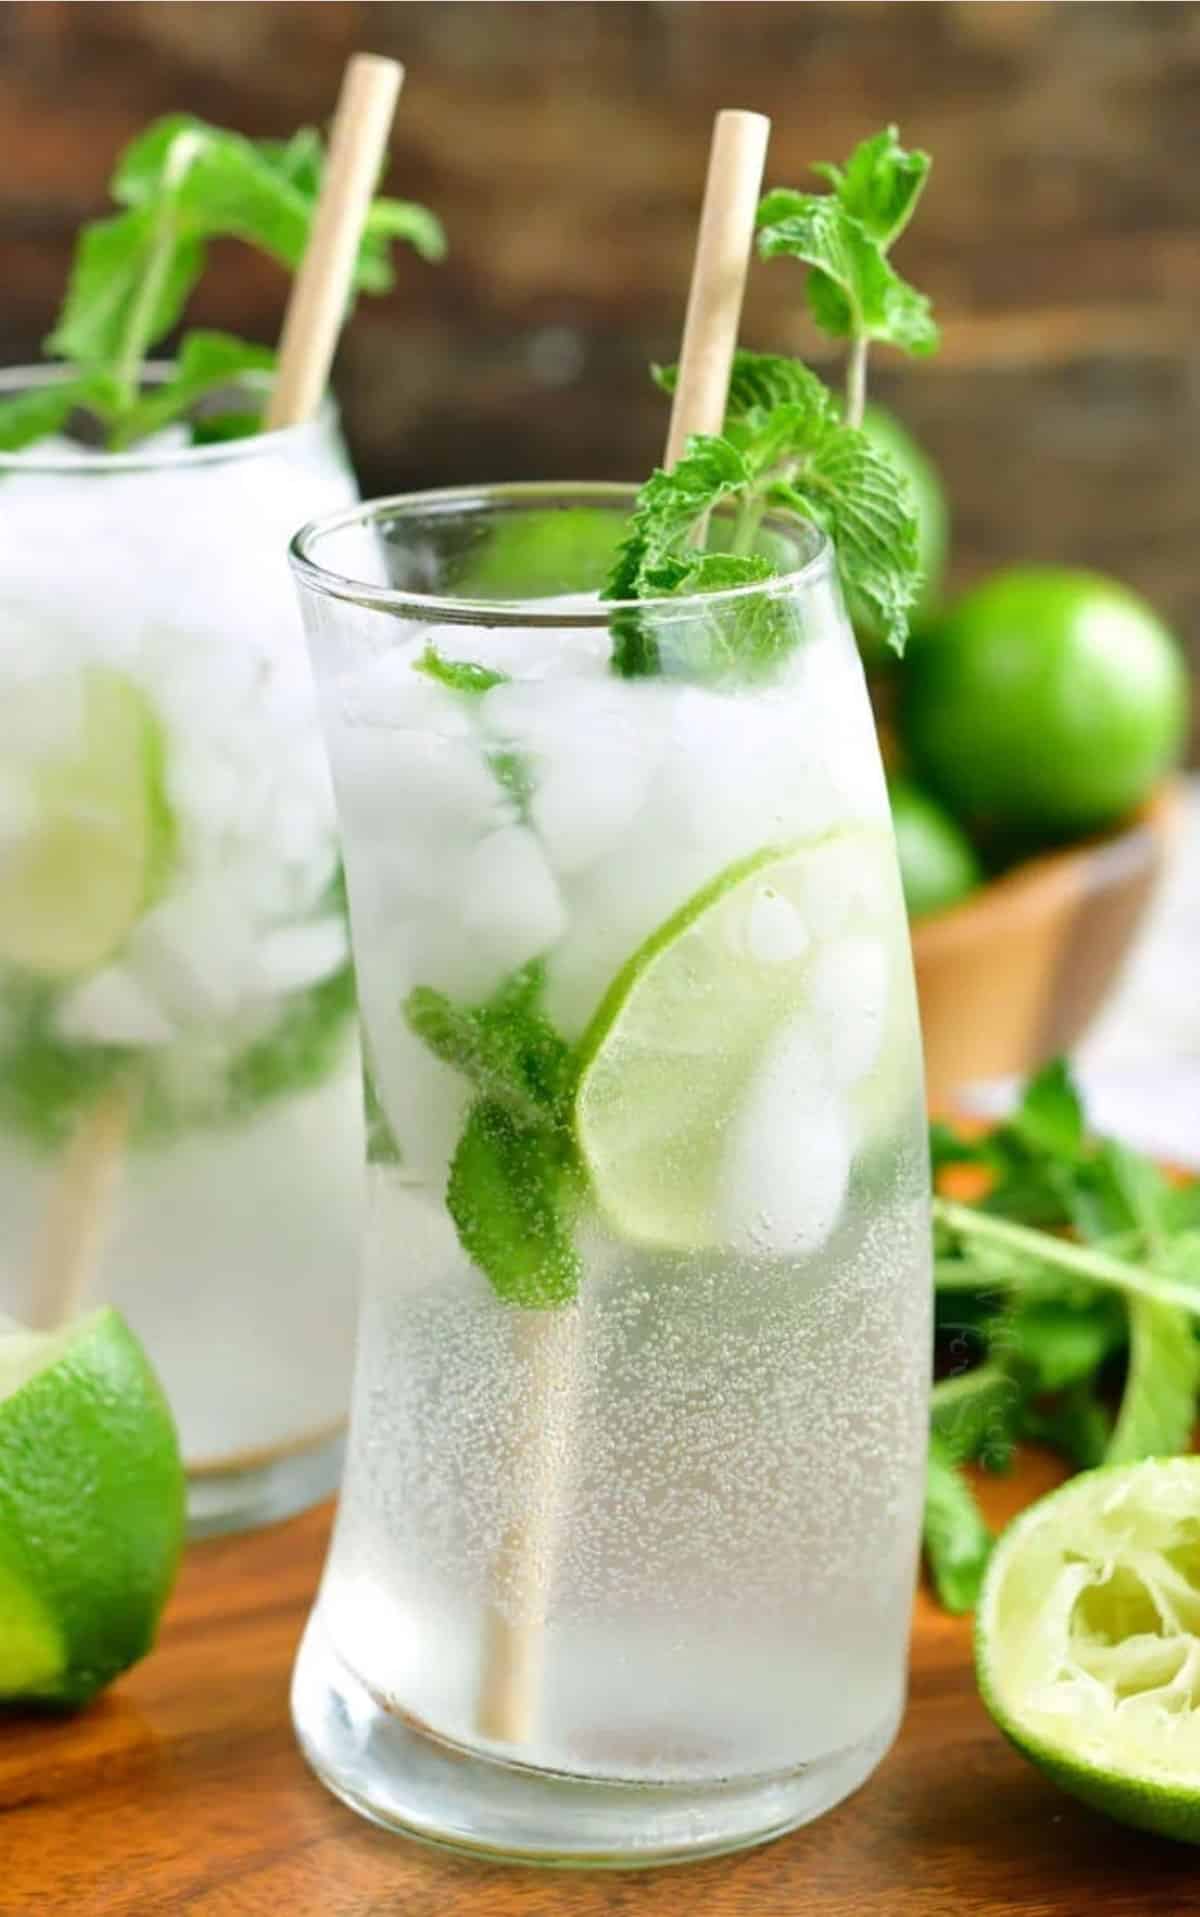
{"x": 182, "y": 1794}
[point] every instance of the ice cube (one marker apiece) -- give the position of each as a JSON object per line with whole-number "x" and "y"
{"x": 592, "y": 749}
{"x": 786, "y": 1166}
{"x": 196, "y": 955}
{"x": 294, "y": 956}
{"x": 113, "y": 1007}
{"x": 847, "y": 992}
{"x": 509, "y": 900}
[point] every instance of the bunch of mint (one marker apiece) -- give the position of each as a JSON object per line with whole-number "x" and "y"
{"x": 1068, "y": 1303}
{"x": 180, "y": 185}
{"x": 790, "y": 446}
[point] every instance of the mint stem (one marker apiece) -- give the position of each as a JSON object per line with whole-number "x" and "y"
{"x": 1082, "y": 1261}
{"x": 856, "y": 381}
{"x": 127, "y": 370}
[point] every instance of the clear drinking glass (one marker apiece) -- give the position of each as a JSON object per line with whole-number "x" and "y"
{"x": 623, "y": 1564}
{"x": 180, "y": 1104}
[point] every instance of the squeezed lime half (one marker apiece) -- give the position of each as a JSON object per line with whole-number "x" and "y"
{"x": 1087, "y": 1641}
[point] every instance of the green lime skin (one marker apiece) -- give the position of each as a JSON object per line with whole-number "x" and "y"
{"x": 938, "y": 864}
{"x": 92, "y": 1497}
{"x": 1045, "y": 706}
{"x": 534, "y": 555}
{"x": 886, "y": 433}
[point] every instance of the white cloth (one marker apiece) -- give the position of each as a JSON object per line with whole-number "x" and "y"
{"x": 1139, "y": 1066}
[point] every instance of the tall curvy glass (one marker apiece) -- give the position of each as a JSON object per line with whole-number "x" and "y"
{"x": 623, "y": 1565}
{"x": 180, "y": 1113}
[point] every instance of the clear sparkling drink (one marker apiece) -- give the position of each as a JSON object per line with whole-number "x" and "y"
{"x": 624, "y": 1559}
{"x": 180, "y": 1104}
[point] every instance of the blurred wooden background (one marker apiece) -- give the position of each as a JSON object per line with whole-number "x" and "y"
{"x": 564, "y": 146}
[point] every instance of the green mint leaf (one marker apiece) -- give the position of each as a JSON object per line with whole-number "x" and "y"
{"x": 463, "y": 675}
{"x": 511, "y": 1196}
{"x": 776, "y": 408}
{"x": 1158, "y": 1405}
{"x": 670, "y": 506}
{"x": 852, "y": 290}
{"x": 206, "y": 361}
{"x": 300, "y": 160}
{"x": 105, "y": 293}
{"x": 1061, "y": 1343}
{"x": 1049, "y": 1118}
{"x": 957, "y": 1541}
{"x": 973, "y": 1413}
{"x": 390, "y": 220}
{"x": 217, "y": 429}
{"x": 880, "y": 184}
{"x": 28, "y": 417}
{"x": 1078, "y": 1425}
{"x": 1004, "y": 1253}
{"x": 852, "y": 490}
{"x": 458, "y": 675}
{"x": 507, "y": 1048}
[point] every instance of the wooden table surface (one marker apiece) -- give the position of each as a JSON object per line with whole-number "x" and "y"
{"x": 182, "y": 1794}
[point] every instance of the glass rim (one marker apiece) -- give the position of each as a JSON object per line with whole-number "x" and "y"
{"x": 453, "y": 610}
{"x": 51, "y": 373}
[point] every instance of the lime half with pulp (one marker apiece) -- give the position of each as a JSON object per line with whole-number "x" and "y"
{"x": 1087, "y": 1641}
{"x": 91, "y": 1509}
{"x": 711, "y": 1110}
{"x": 82, "y": 872}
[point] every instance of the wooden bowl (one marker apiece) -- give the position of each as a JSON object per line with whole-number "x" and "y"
{"x": 1015, "y": 973}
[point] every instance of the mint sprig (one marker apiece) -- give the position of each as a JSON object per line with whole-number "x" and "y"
{"x": 787, "y": 445}
{"x": 1080, "y": 1256}
{"x": 181, "y": 184}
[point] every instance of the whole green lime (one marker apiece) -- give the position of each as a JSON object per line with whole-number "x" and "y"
{"x": 1045, "y": 705}
{"x": 938, "y": 865}
{"x": 91, "y": 1509}
{"x": 886, "y": 433}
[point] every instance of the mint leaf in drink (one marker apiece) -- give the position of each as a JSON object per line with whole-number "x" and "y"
{"x": 515, "y": 1173}
{"x": 206, "y": 362}
{"x": 957, "y": 1541}
{"x": 880, "y": 184}
{"x": 510, "y": 1196}
{"x": 457, "y": 675}
{"x": 506, "y": 1047}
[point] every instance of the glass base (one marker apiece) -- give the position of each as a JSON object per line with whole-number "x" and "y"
{"x": 408, "y": 1781}
{"x": 261, "y": 1491}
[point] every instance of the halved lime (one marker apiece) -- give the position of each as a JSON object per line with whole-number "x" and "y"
{"x": 99, "y": 834}
{"x": 1087, "y": 1641}
{"x": 91, "y": 1509}
{"x": 711, "y": 1109}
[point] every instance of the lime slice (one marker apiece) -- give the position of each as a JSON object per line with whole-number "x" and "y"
{"x": 1087, "y": 1641}
{"x": 91, "y": 1509}
{"x": 711, "y": 1109}
{"x": 100, "y": 831}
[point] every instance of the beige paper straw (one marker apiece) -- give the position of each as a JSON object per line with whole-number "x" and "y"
{"x": 549, "y": 1342}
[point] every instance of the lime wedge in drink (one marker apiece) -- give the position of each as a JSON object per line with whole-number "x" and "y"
{"x": 711, "y": 1110}
{"x": 1087, "y": 1641}
{"x": 91, "y": 1509}
{"x": 99, "y": 833}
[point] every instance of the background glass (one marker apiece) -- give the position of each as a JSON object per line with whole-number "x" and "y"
{"x": 626, "y": 1577}
{"x": 177, "y": 1050}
